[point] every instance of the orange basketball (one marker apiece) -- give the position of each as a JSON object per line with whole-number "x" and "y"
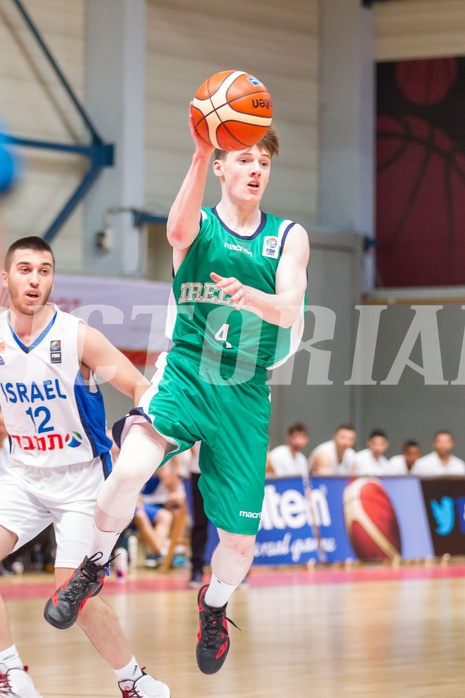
{"x": 232, "y": 110}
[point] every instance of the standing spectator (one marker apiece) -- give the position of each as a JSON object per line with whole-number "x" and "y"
{"x": 199, "y": 533}
{"x": 288, "y": 460}
{"x": 337, "y": 456}
{"x": 371, "y": 460}
{"x": 403, "y": 464}
{"x": 440, "y": 461}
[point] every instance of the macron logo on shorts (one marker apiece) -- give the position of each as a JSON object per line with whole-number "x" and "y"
{"x": 250, "y": 514}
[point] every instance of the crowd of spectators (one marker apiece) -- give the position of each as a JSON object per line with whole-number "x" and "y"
{"x": 338, "y": 457}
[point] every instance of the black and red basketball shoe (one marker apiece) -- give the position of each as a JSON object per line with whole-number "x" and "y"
{"x": 213, "y": 637}
{"x": 63, "y": 608}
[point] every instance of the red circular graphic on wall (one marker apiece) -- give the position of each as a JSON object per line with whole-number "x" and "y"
{"x": 428, "y": 81}
{"x": 420, "y": 196}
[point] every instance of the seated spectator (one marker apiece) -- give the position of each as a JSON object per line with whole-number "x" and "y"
{"x": 440, "y": 461}
{"x": 337, "y": 456}
{"x": 403, "y": 464}
{"x": 288, "y": 460}
{"x": 153, "y": 524}
{"x": 163, "y": 507}
{"x": 371, "y": 460}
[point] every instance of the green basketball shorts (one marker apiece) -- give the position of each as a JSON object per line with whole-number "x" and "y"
{"x": 228, "y": 410}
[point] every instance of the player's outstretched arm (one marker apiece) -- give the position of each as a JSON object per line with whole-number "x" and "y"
{"x": 283, "y": 307}
{"x": 99, "y": 355}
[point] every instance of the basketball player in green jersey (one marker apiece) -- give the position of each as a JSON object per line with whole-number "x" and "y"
{"x": 240, "y": 277}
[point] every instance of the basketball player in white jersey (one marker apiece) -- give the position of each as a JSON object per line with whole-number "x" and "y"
{"x": 54, "y": 414}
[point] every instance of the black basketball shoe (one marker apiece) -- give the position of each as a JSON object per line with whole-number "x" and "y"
{"x": 213, "y": 637}
{"x": 63, "y": 608}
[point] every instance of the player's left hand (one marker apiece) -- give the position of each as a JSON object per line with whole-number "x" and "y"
{"x": 234, "y": 288}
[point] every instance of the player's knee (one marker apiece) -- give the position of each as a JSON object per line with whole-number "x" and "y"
{"x": 132, "y": 474}
{"x": 237, "y": 544}
{"x": 164, "y": 516}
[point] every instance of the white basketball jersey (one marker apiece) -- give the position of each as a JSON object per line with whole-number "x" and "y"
{"x": 52, "y": 417}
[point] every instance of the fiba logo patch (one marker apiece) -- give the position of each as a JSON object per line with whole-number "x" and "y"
{"x": 55, "y": 351}
{"x": 73, "y": 440}
{"x": 270, "y": 247}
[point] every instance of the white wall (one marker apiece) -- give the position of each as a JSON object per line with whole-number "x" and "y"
{"x": 419, "y": 29}
{"x": 278, "y": 42}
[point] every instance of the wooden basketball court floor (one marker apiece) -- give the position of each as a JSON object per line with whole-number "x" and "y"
{"x": 364, "y": 632}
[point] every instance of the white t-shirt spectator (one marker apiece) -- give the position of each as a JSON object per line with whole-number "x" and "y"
{"x": 367, "y": 464}
{"x": 397, "y": 466}
{"x": 432, "y": 466}
{"x": 285, "y": 464}
{"x": 343, "y": 467}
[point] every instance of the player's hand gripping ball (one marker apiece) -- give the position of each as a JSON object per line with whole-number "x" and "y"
{"x": 232, "y": 110}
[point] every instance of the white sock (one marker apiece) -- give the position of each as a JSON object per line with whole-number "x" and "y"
{"x": 218, "y": 592}
{"x": 130, "y": 672}
{"x": 103, "y": 542}
{"x": 10, "y": 658}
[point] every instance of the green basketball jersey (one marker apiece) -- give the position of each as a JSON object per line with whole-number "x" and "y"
{"x": 204, "y": 318}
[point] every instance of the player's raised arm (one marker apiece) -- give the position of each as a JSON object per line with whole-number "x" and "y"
{"x": 184, "y": 216}
{"x": 280, "y": 308}
{"x": 99, "y": 355}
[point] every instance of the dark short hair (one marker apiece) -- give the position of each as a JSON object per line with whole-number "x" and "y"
{"x": 298, "y": 426}
{"x": 444, "y": 431}
{"x": 377, "y": 432}
{"x": 410, "y": 443}
{"x": 33, "y": 242}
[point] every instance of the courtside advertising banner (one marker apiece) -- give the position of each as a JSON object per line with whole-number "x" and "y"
{"x": 295, "y": 528}
{"x": 445, "y": 505}
{"x": 341, "y": 519}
